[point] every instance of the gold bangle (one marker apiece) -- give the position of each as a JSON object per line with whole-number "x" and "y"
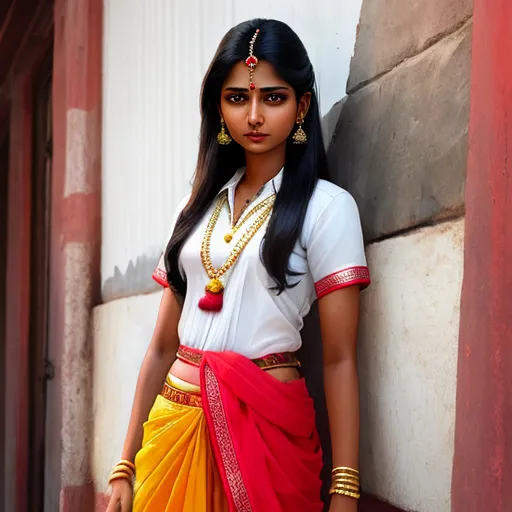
{"x": 344, "y": 481}
{"x": 126, "y": 462}
{"x": 354, "y": 495}
{"x": 123, "y": 467}
{"x": 351, "y": 488}
{"x": 125, "y": 471}
{"x": 119, "y": 476}
{"x": 346, "y": 476}
{"x": 343, "y": 469}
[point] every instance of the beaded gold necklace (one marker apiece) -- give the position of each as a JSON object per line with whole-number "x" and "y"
{"x": 241, "y": 221}
{"x": 213, "y": 298}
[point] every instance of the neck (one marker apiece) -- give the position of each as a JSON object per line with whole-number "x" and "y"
{"x": 260, "y": 168}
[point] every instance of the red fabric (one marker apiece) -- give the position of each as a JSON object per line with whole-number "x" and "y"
{"x": 263, "y": 435}
{"x": 211, "y": 301}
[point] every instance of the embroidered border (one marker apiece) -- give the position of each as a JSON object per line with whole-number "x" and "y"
{"x": 160, "y": 276}
{"x": 189, "y": 355}
{"x": 181, "y": 397}
{"x": 194, "y": 356}
{"x": 341, "y": 279}
{"x": 226, "y": 447}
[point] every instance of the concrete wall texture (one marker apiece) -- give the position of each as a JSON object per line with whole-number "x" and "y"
{"x": 400, "y": 147}
{"x": 408, "y": 359}
{"x": 121, "y": 331}
{"x": 76, "y": 238}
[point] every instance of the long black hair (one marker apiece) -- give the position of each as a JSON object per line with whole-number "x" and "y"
{"x": 280, "y": 46}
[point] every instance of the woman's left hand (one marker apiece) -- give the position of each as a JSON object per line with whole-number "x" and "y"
{"x": 340, "y": 503}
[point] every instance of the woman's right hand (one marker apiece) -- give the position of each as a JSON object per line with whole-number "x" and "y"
{"x": 121, "y": 497}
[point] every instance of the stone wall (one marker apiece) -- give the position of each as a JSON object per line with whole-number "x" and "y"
{"x": 400, "y": 147}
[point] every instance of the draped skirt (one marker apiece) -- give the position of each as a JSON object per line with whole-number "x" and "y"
{"x": 246, "y": 442}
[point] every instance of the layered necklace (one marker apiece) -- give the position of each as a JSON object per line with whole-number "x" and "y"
{"x": 214, "y": 291}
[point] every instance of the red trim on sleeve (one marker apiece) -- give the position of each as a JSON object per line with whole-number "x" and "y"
{"x": 160, "y": 276}
{"x": 341, "y": 279}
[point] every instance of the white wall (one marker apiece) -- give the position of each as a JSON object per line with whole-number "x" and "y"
{"x": 121, "y": 331}
{"x": 155, "y": 55}
{"x": 408, "y": 352}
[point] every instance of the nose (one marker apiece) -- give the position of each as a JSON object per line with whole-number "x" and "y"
{"x": 254, "y": 115}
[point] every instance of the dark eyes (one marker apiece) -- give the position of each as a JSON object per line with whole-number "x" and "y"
{"x": 275, "y": 98}
{"x": 237, "y": 98}
{"x": 272, "y": 98}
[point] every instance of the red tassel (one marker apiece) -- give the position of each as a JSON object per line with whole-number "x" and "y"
{"x": 211, "y": 301}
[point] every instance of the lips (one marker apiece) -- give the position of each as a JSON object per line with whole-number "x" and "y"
{"x": 256, "y": 136}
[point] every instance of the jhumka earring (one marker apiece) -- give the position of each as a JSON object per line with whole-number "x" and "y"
{"x": 223, "y": 138}
{"x": 300, "y": 137}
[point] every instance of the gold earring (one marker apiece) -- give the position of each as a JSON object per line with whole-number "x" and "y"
{"x": 223, "y": 138}
{"x": 300, "y": 137}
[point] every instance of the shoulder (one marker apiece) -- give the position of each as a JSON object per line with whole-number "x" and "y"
{"x": 329, "y": 198}
{"x": 331, "y": 210}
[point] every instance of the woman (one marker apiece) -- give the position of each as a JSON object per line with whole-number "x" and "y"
{"x": 261, "y": 236}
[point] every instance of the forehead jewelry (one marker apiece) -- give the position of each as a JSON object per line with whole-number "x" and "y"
{"x": 252, "y": 61}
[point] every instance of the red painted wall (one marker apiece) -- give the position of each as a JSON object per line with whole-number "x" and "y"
{"x": 76, "y": 219}
{"x": 482, "y": 469}
{"x": 17, "y": 311}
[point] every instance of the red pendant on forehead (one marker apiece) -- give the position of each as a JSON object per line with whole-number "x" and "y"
{"x": 251, "y": 61}
{"x": 252, "y": 86}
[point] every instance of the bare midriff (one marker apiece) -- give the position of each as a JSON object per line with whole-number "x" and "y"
{"x": 190, "y": 373}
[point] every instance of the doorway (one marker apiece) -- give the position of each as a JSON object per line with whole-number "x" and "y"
{"x": 40, "y": 368}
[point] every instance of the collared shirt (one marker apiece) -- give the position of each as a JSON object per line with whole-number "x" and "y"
{"x": 254, "y": 320}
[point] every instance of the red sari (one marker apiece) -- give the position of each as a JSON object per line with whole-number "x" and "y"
{"x": 263, "y": 436}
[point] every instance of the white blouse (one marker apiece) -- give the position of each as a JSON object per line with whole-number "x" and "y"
{"x": 255, "y": 320}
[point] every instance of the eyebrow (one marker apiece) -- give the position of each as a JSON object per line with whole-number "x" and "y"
{"x": 262, "y": 89}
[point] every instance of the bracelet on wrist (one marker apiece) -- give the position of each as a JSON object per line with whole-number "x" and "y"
{"x": 345, "y": 481}
{"x": 123, "y": 470}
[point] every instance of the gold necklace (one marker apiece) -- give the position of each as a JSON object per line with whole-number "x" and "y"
{"x": 213, "y": 298}
{"x": 234, "y": 228}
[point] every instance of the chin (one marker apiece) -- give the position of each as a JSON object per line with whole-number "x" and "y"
{"x": 259, "y": 148}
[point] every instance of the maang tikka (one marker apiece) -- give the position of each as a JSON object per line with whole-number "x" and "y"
{"x": 252, "y": 60}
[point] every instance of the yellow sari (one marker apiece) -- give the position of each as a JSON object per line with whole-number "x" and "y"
{"x": 176, "y": 470}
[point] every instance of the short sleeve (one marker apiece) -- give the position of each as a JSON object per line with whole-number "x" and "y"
{"x": 335, "y": 248}
{"x": 160, "y": 274}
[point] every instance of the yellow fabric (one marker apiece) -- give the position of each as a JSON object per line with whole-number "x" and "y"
{"x": 175, "y": 469}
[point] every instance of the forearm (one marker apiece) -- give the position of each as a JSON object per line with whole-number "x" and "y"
{"x": 152, "y": 374}
{"x": 342, "y": 396}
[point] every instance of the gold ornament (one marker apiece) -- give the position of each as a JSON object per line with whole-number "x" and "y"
{"x": 300, "y": 137}
{"x": 223, "y": 138}
{"x": 234, "y": 228}
{"x": 345, "y": 481}
{"x": 252, "y": 61}
{"x": 215, "y": 286}
{"x": 123, "y": 470}
{"x": 214, "y": 289}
